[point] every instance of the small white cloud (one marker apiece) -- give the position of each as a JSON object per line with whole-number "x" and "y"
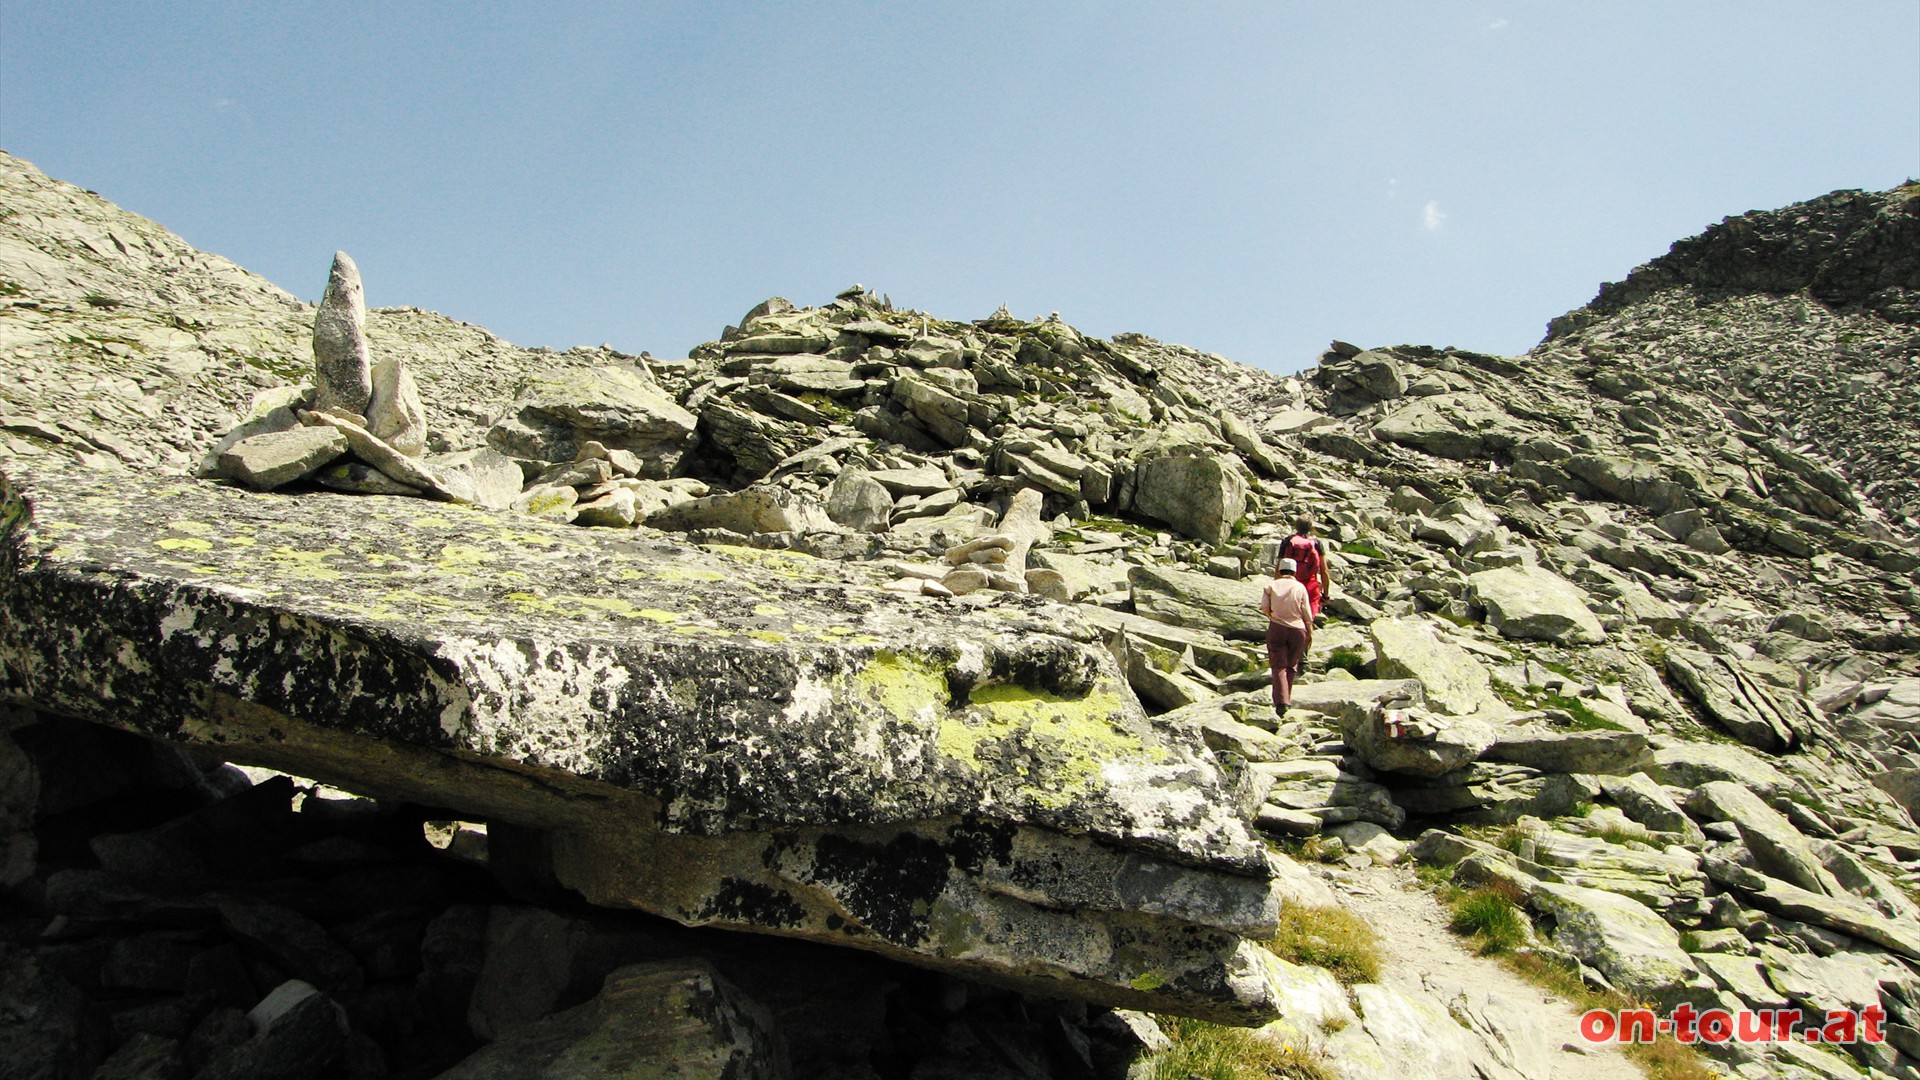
{"x": 1393, "y": 189}
{"x": 1431, "y": 216}
{"x": 1498, "y": 24}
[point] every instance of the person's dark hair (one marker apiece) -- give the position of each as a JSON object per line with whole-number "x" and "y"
{"x": 1303, "y": 524}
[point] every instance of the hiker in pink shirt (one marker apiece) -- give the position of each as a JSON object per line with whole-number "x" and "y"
{"x": 1289, "y": 631}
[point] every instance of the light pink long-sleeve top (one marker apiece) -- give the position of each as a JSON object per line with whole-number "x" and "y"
{"x": 1284, "y": 601}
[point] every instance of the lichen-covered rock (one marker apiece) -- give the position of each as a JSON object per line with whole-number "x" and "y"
{"x": 859, "y": 502}
{"x": 897, "y": 777}
{"x": 1462, "y": 426}
{"x": 1761, "y": 716}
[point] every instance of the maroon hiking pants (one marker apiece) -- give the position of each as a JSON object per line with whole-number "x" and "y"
{"x": 1286, "y": 652}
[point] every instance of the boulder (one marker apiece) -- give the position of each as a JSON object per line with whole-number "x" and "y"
{"x": 1532, "y": 602}
{"x": 397, "y": 466}
{"x": 859, "y": 502}
{"x": 1452, "y": 680}
{"x": 1646, "y": 802}
{"x": 1414, "y": 741}
{"x": 1845, "y": 914}
{"x": 1690, "y": 765}
{"x": 965, "y": 789}
{"x": 1461, "y": 426}
{"x": 264, "y": 462}
{"x": 1196, "y": 493}
{"x": 760, "y": 509}
{"x": 1762, "y": 716}
{"x": 621, "y": 408}
{"x": 1199, "y": 601}
{"x": 1587, "y": 752}
{"x": 492, "y": 477}
{"x": 1357, "y": 381}
{"x": 1627, "y": 941}
{"x": 1778, "y": 849}
{"x": 1488, "y": 793}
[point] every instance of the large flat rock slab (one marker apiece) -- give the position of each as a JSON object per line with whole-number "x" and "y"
{"x": 728, "y": 736}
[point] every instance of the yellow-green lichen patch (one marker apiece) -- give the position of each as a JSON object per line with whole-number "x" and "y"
{"x": 771, "y": 637}
{"x": 1070, "y": 740}
{"x": 1147, "y": 982}
{"x": 687, "y": 573}
{"x": 523, "y": 536}
{"x": 191, "y": 528}
{"x": 460, "y": 558}
{"x": 904, "y": 685}
{"x": 547, "y": 502}
{"x": 792, "y": 564}
{"x": 769, "y": 611}
{"x": 656, "y": 615}
{"x": 306, "y": 564}
{"x": 183, "y": 543}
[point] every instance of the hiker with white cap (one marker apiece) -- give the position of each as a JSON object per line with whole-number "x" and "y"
{"x": 1289, "y": 631}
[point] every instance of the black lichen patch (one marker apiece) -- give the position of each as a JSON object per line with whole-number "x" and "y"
{"x": 888, "y": 887}
{"x": 741, "y": 901}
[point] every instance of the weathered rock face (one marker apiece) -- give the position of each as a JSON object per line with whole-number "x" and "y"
{"x": 373, "y": 645}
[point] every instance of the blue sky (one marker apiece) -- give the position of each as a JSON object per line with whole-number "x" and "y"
{"x": 1252, "y": 179}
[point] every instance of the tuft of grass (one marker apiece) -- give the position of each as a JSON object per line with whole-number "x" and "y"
{"x": 1360, "y": 548}
{"x": 100, "y": 300}
{"x": 1618, "y": 834}
{"x": 1331, "y": 938}
{"x": 1689, "y": 941}
{"x": 1584, "y": 718}
{"x": 1347, "y": 660}
{"x": 1309, "y": 848}
{"x": 1213, "y": 1052}
{"x": 1490, "y": 917}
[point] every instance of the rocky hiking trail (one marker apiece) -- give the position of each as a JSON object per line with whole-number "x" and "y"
{"x": 1504, "y": 1025}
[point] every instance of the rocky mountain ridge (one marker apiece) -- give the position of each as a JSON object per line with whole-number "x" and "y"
{"x": 1577, "y": 593}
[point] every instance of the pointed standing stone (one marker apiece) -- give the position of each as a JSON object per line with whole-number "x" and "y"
{"x": 342, "y": 365}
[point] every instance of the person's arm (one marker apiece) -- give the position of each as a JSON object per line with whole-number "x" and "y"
{"x": 1326, "y": 579}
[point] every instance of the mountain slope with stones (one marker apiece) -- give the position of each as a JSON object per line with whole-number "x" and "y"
{"x": 1615, "y": 624}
